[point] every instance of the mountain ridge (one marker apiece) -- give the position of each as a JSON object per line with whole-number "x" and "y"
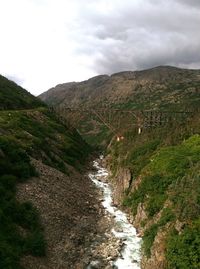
{"x": 163, "y": 88}
{"x": 119, "y": 86}
{"x": 161, "y": 67}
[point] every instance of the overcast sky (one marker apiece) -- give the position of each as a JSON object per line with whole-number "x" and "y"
{"x": 47, "y": 42}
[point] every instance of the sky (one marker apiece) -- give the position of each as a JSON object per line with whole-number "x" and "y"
{"x": 47, "y": 42}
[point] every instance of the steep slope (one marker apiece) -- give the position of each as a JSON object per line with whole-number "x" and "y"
{"x": 164, "y": 87}
{"x": 159, "y": 87}
{"x": 45, "y": 200}
{"x": 13, "y": 96}
{"x": 156, "y": 177}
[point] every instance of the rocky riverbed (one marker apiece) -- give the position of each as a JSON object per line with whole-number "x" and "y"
{"x": 122, "y": 248}
{"x": 82, "y": 228}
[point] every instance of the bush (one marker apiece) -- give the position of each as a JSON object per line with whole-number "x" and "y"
{"x": 9, "y": 257}
{"x": 172, "y": 174}
{"x": 148, "y": 239}
{"x": 183, "y": 251}
{"x": 155, "y": 204}
{"x": 16, "y": 162}
{"x": 167, "y": 216}
{"x": 35, "y": 244}
{"x": 15, "y": 167}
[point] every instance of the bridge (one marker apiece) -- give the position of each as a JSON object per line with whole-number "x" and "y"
{"x": 117, "y": 119}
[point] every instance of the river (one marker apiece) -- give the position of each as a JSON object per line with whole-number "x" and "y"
{"x": 130, "y": 252}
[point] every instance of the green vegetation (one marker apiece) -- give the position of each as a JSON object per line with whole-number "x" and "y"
{"x": 28, "y": 129}
{"x": 42, "y": 136}
{"x": 183, "y": 249}
{"x": 165, "y": 165}
{"x": 13, "y": 96}
{"x": 36, "y": 133}
{"x": 98, "y": 140}
{"x": 150, "y": 233}
{"x": 20, "y": 228}
{"x": 162, "y": 88}
{"x": 164, "y": 162}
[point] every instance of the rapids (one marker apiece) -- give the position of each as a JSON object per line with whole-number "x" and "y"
{"x": 130, "y": 252}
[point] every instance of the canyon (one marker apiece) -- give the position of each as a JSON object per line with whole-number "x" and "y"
{"x": 56, "y": 201}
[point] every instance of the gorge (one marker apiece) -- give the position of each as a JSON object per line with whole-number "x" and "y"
{"x": 53, "y": 215}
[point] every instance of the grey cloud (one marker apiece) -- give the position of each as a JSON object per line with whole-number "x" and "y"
{"x": 193, "y": 3}
{"x": 141, "y": 34}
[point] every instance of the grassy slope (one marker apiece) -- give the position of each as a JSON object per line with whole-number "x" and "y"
{"x": 38, "y": 134}
{"x": 168, "y": 163}
{"x": 26, "y": 133}
{"x": 13, "y": 96}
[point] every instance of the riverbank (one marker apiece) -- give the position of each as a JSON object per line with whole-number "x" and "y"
{"x": 82, "y": 227}
{"x": 125, "y": 245}
{"x": 71, "y": 214}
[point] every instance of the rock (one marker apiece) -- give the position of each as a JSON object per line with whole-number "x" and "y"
{"x": 108, "y": 267}
{"x": 95, "y": 265}
{"x": 179, "y": 226}
{"x": 119, "y": 230}
{"x": 121, "y": 183}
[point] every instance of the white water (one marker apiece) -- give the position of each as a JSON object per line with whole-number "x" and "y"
{"x": 130, "y": 254}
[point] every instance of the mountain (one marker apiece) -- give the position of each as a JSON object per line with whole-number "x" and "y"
{"x": 161, "y": 88}
{"x": 13, "y": 96}
{"x": 43, "y": 193}
{"x": 154, "y": 173}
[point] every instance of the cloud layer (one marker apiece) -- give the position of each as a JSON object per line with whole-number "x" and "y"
{"x": 47, "y": 42}
{"x": 142, "y": 34}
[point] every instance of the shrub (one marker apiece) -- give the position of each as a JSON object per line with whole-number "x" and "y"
{"x": 15, "y": 167}
{"x": 183, "y": 251}
{"x": 155, "y": 204}
{"x": 35, "y": 244}
{"x": 148, "y": 239}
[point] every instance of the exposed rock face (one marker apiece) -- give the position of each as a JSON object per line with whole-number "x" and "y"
{"x": 121, "y": 182}
{"x": 157, "y": 259}
{"x": 139, "y": 217}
